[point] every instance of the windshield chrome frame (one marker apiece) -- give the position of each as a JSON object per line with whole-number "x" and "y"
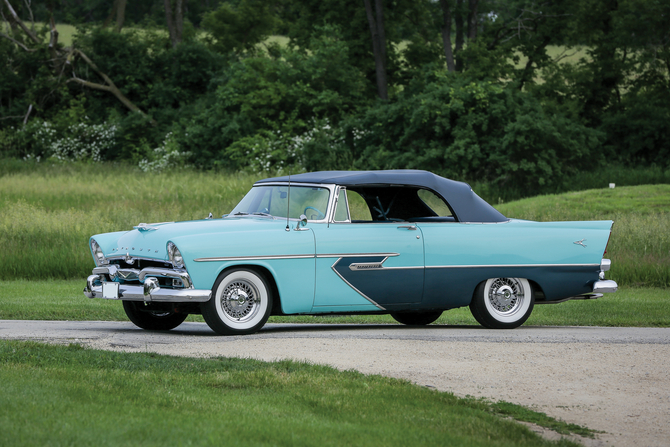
{"x": 332, "y": 190}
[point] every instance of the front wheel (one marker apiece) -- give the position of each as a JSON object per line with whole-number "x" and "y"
{"x": 241, "y": 303}
{"x": 146, "y": 317}
{"x": 502, "y": 303}
{"x": 416, "y": 318}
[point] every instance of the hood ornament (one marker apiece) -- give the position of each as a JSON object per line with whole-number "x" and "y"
{"x": 580, "y": 243}
{"x": 145, "y": 227}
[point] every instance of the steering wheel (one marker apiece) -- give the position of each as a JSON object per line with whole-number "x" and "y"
{"x": 319, "y": 214}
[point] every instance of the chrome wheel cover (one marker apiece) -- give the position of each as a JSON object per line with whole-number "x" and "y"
{"x": 240, "y": 300}
{"x": 506, "y": 296}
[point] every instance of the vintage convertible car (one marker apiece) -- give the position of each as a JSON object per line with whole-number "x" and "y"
{"x": 406, "y": 243}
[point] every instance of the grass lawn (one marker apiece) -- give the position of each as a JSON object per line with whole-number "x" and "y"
{"x": 68, "y": 395}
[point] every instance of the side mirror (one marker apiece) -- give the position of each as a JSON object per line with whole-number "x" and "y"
{"x": 302, "y": 222}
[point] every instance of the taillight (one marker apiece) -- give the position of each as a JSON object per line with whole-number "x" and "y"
{"x": 608, "y": 242}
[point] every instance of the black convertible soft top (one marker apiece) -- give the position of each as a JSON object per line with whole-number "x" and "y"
{"x": 466, "y": 205}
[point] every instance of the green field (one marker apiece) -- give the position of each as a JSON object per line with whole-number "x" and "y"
{"x": 48, "y": 213}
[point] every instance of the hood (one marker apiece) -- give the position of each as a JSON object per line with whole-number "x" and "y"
{"x": 150, "y": 240}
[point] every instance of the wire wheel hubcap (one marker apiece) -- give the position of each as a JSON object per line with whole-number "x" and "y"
{"x": 506, "y": 295}
{"x": 239, "y": 300}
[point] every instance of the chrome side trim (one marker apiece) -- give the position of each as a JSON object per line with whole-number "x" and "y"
{"x": 305, "y": 256}
{"x": 352, "y": 286}
{"x": 253, "y": 258}
{"x": 355, "y": 255}
{"x": 507, "y": 265}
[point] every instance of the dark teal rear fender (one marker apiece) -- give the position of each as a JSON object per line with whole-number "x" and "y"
{"x": 453, "y": 287}
{"x": 563, "y": 258}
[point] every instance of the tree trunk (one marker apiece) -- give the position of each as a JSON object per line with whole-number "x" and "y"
{"x": 175, "y": 20}
{"x": 446, "y": 35}
{"x": 118, "y": 12}
{"x": 472, "y": 19}
{"x": 376, "y": 21}
{"x": 458, "y": 19}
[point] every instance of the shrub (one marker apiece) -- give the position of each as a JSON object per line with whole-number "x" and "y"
{"x": 262, "y": 97}
{"x": 165, "y": 156}
{"x": 465, "y": 129}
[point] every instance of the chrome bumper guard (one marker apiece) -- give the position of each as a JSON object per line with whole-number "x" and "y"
{"x": 150, "y": 290}
{"x": 605, "y": 286}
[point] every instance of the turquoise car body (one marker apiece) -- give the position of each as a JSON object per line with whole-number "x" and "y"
{"x": 385, "y": 265}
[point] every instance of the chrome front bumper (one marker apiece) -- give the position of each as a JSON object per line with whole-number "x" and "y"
{"x": 97, "y": 285}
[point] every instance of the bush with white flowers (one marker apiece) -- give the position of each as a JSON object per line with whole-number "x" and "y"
{"x": 165, "y": 156}
{"x": 83, "y": 141}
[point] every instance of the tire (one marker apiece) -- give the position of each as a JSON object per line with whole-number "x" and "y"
{"x": 142, "y": 315}
{"x": 416, "y": 318}
{"x": 241, "y": 303}
{"x": 503, "y": 303}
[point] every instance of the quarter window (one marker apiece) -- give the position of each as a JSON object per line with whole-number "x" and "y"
{"x": 435, "y": 203}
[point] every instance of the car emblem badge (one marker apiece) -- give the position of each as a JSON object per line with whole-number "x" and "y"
{"x": 580, "y": 243}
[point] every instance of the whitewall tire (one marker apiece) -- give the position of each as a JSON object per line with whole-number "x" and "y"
{"x": 503, "y": 303}
{"x": 241, "y": 303}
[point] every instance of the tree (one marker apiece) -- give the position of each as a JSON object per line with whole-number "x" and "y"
{"x": 378, "y": 35}
{"x": 446, "y": 34}
{"x": 242, "y": 27}
{"x": 174, "y": 16}
{"x": 63, "y": 60}
{"x": 119, "y": 13}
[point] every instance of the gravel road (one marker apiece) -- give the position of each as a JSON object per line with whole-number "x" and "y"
{"x": 616, "y": 380}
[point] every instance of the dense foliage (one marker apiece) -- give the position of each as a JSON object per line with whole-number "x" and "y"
{"x": 500, "y": 103}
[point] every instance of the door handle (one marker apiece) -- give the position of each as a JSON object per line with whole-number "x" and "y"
{"x": 409, "y": 227}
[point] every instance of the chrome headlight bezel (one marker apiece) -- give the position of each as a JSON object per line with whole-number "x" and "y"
{"x": 98, "y": 255}
{"x": 176, "y": 259}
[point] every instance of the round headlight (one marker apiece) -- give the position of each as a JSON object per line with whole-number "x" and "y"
{"x": 175, "y": 256}
{"x": 98, "y": 255}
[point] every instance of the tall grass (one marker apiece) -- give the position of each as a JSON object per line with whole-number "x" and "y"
{"x": 48, "y": 213}
{"x": 596, "y": 178}
{"x": 640, "y": 244}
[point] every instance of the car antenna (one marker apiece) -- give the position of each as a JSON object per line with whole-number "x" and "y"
{"x": 288, "y": 207}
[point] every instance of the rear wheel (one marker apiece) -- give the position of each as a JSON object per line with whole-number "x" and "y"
{"x": 241, "y": 303}
{"x": 146, "y": 317}
{"x": 502, "y": 303}
{"x": 416, "y": 318}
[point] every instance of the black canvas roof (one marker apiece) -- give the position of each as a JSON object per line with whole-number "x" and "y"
{"x": 467, "y": 206}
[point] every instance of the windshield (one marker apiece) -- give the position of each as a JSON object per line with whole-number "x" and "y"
{"x": 274, "y": 201}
